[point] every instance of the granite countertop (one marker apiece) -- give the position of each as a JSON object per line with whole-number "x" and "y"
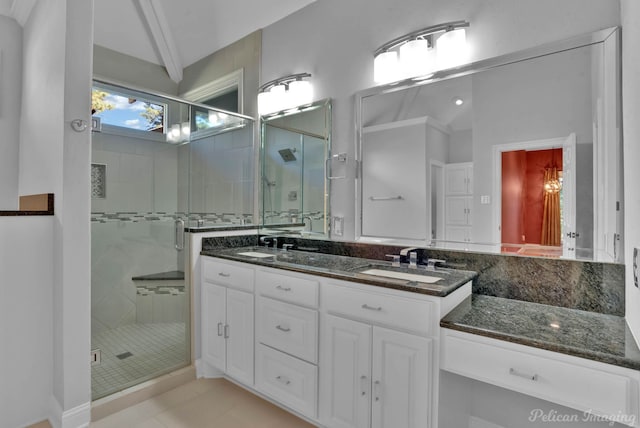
{"x": 595, "y": 336}
{"x": 348, "y": 269}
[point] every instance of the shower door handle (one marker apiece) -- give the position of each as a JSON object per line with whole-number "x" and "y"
{"x": 179, "y": 234}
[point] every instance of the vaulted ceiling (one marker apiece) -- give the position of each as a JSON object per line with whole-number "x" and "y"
{"x": 175, "y": 34}
{"x": 171, "y": 33}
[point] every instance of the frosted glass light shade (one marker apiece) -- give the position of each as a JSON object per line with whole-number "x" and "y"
{"x": 173, "y": 136}
{"x": 300, "y": 93}
{"x": 451, "y": 49}
{"x": 386, "y": 67}
{"x": 279, "y": 98}
{"x": 185, "y": 131}
{"x": 265, "y": 103}
{"x": 416, "y": 59}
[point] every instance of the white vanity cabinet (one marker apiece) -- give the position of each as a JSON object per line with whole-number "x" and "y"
{"x": 228, "y": 318}
{"x": 287, "y": 339}
{"x": 589, "y": 386}
{"x": 379, "y": 356}
{"x": 373, "y": 376}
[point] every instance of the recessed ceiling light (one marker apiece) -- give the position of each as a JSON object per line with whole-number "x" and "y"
{"x": 458, "y": 101}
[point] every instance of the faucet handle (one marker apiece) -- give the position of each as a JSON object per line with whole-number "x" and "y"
{"x": 431, "y": 263}
{"x": 286, "y": 247}
{"x": 396, "y": 259}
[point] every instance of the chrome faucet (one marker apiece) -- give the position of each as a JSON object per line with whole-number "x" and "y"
{"x": 266, "y": 240}
{"x": 412, "y": 252}
{"x": 432, "y": 263}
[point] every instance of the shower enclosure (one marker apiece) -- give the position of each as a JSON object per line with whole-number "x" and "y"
{"x": 294, "y": 152}
{"x": 158, "y": 164}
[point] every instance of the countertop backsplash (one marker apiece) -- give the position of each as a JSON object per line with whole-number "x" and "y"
{"x": 584, "y": 285}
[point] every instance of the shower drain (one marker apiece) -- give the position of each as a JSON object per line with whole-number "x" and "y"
{"x": 124, "y": 355}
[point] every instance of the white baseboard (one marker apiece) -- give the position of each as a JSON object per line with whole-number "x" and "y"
{"x": 481, "y": 423}
{"x": 205, "y": 370}
{"x": 77, "y": 417}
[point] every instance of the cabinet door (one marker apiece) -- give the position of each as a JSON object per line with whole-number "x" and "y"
{"x": 345, "y": 390}
{"x": 457, "y": 210}
{"x": 401, "y": 380}
{"x": 469, "y": 175}
{"x": 240, "y": 337}
{"x": 456, "y": 179}
{"x": 213, "y": 322}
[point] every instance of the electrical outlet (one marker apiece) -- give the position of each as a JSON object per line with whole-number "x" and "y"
{"x": 338, "y": 226}
{"x": 635, "y": 267}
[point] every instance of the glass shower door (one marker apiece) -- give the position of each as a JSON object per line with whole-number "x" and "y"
{"x": 140, "y": 301}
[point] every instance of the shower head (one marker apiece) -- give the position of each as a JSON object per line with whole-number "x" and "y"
{"x": 287, "y": 154}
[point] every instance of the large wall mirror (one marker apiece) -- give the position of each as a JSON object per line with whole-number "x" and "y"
{"x": 516, "y": 154}
{"x": 294, "y": 184}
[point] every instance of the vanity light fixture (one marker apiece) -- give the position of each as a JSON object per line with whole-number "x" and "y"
{"x": 179, "y": 133}
{"x": 285, "y": 93}
{"x": 421, "y": 52}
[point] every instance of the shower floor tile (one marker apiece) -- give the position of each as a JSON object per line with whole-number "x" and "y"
{"x": 155, "y": 349}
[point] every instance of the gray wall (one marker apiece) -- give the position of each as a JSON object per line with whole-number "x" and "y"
{"x": 127, "y": 69}
{"x": 335, "y": 40}
{"x": 10, "y": 86}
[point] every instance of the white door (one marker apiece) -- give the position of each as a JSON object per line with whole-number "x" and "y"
{"x": 569, "y": 196}
{"x": 213, "y": 323}
{"x": 240, "y": 337}
{"x": 345, "y": 389}
{"x": 401, "y": 380}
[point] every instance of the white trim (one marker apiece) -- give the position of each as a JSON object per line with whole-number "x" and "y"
{"x": 434, "y": 123}
{"x": 436, "y": 163}
{"x": 161, "y": 35}
{"x": 21, "y": 10}
{"x": 498, "y": 149}
{"x": 220, "y": 86}
{"x": 77, "y": 417}
{"x": 206, "y": 370}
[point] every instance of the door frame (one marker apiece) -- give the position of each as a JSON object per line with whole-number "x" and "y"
{"x": 568, "y": 144}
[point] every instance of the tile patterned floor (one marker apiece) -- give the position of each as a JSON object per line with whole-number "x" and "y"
{"x": 203, "y": 403}
{"x": 155, "y": 349}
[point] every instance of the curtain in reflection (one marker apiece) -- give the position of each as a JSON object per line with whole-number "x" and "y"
{"x": 551, "y": 213}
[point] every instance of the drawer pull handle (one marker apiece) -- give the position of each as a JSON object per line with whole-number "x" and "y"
{"x": 280, "y": 287}
{"x": 226, "y": 331}
{"x": 376, "y": 390}
{"x": 514, "y": 372}
{"x": 363, "y": 385}
{"x": 372, "y": 308}
{"x": 224, "y": 275}
{"x": 283, "y": 379}
{"x": 285, "y": 329}
{"x": 220, "y": 325}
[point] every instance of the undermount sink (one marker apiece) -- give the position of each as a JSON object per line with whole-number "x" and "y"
{"x": 256, "y": 254}
{"x": 401, "y": 275}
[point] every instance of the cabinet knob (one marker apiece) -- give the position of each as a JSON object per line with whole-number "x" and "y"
{"x": 283, "y": 379}
{"x": 531, "y": 377}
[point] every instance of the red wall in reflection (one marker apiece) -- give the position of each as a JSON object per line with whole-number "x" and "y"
{"x": 523, "y": 193}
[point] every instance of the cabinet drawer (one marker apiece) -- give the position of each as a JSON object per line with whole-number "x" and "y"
{"x": 289, "y": 328}
{"x": 566, "y": 383}
{"x": 289, "y": 380}
{"x": 288, "y": 288}
{"x": 230, "y": 274}
{"x": 414, "y": 315}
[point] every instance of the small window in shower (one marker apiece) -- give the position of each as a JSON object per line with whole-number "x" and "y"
{"x": 127, "y": 110}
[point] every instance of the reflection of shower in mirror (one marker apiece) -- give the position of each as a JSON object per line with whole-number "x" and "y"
{"x": 288, "y": 154}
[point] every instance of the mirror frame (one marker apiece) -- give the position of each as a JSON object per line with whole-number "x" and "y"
{"x": 611, "y": 250}
{"x": 294, "y": 229}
